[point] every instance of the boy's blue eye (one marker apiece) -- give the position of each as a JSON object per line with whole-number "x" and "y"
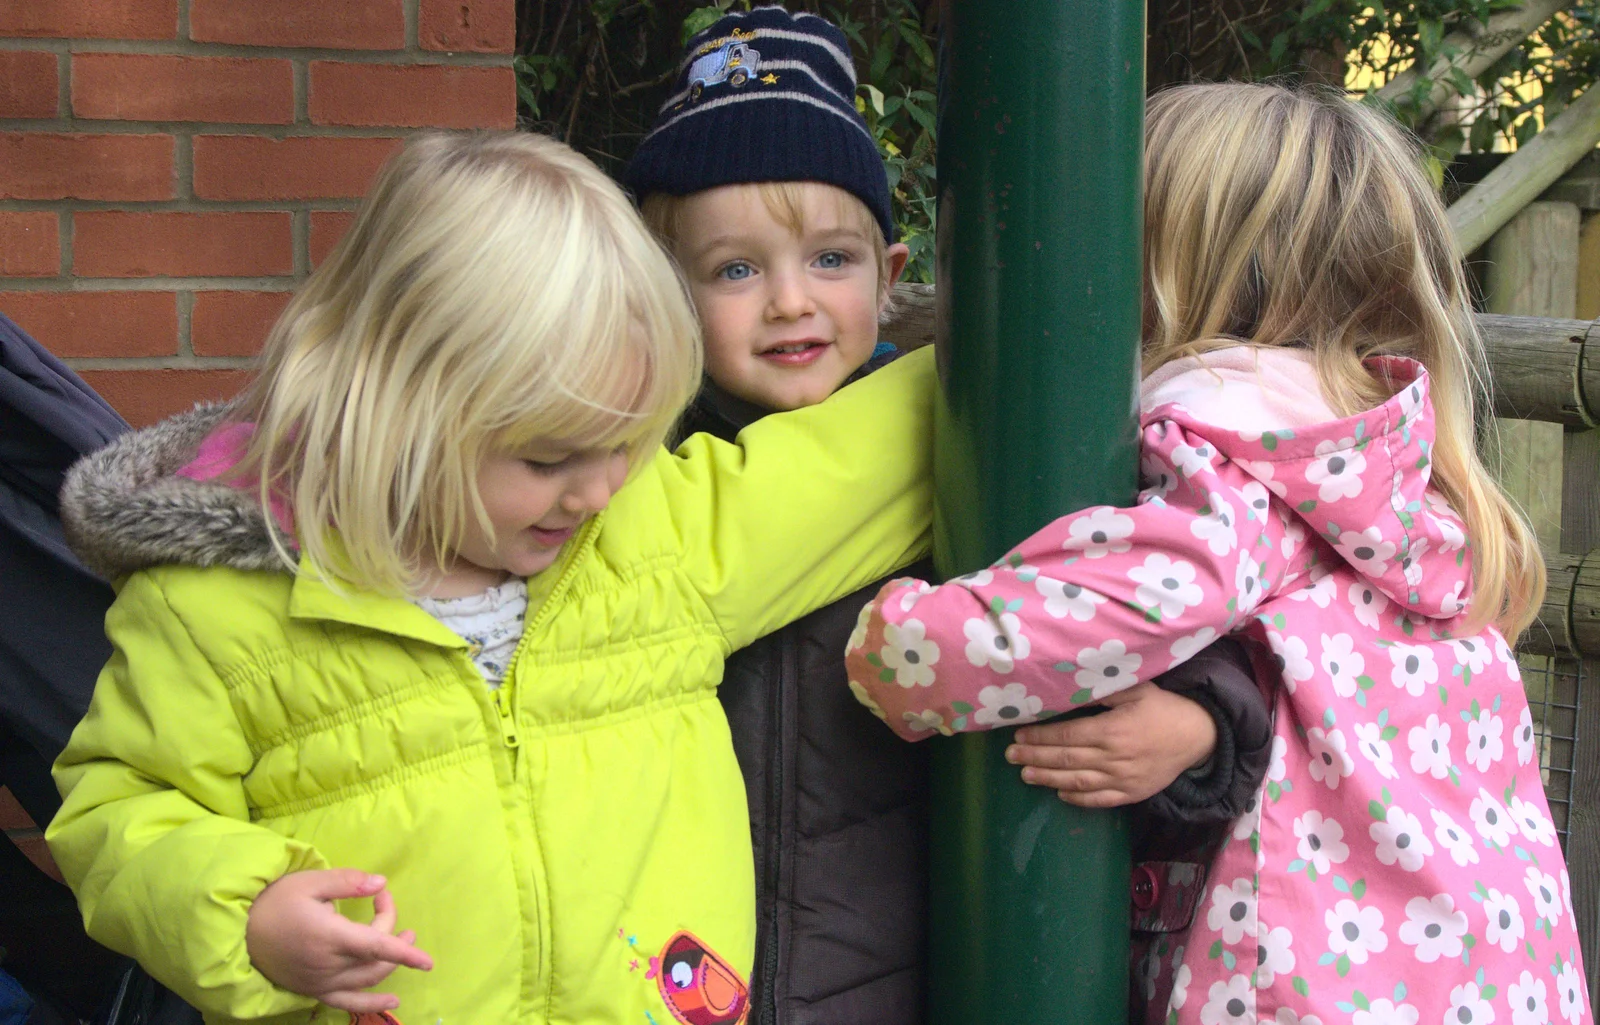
{"x": 832, "y": 260}
{"x": 736, "y": 271}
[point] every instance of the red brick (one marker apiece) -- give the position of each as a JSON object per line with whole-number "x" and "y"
{"x": 11, "y": 814}
{"x": 28, "y": 83}
{"x": 148, "y": 87}
{"x": 470, "y": 26}
{"x": 251, "y": 167}
{"x": 97, "y": 323}
{"x": 45, "y": 165}
{"x": 30, "y": 244}
{"x": 145, "y": 396}
{"x": 412, "y": 96}
{"x": 120, "y": 244}
{"x": 327, "y": 228}
{"x": 340, "y": 25}
{"x": 90, "y": 19}
{"x": 234, "y": 323}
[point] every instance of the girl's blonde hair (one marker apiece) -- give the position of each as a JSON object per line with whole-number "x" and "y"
{"x": 494, "y": 288}
{"x": 1300, "y": 219}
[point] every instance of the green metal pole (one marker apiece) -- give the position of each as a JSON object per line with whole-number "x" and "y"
{"x": 1040, "y": 142}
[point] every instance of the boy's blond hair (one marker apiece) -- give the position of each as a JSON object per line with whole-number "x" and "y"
{"x": 494, "y": 288}
{"x": 1300, "y": 219}
{"x": 663, "y": 214}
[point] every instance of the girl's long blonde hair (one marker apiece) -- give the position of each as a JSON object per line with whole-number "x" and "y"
{"x": 494, "y": 288}
{"x": 1300, "y": 219}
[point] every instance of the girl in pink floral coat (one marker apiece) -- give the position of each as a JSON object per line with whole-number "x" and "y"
{"x": 1310, "y": 485}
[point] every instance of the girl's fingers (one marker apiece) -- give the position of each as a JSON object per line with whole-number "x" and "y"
{"x": 1054, "y": 757}
{"x": 358, "y": 1002}
{"x": 1094, "y": 798}
{"x": 1075, "y": 781}
{"x": 384, "y": 915}
{"x": 360, "y": 976}
{"x": 362, "y": 944}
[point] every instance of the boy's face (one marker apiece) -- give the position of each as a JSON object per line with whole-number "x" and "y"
{"x": 787, "y": 317}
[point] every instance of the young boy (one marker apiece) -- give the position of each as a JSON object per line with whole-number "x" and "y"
{"x": 763, "y": 181}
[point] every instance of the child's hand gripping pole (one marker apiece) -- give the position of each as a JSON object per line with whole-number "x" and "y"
{"x": 300, "y": 941}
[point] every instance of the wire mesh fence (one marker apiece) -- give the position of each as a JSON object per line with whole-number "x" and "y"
{"x": 1554, "y": 687}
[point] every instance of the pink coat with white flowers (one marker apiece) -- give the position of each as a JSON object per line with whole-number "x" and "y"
{"x": 1401, "y": 865}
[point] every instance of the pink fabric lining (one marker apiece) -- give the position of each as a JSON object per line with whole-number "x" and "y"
{"x": 220, "y": 452}
{"x": 1242, "y": 388}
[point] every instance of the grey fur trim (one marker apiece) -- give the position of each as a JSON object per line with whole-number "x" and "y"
{"x": 124, "y": 510}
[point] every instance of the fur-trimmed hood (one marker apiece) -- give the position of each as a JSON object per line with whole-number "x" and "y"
{"x": 124, "y": 508}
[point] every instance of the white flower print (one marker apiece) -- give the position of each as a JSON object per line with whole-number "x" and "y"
{"x": 1566, "y": 892}
{"x": 1320, "y": 588}
{"x": 1247, "y": 581}
{"x": 1216, "y": 528}
{"x": 1452, "y": 604}
{"x": 1569, "y": 987}
{"x": 1451, "y": 535}
{"x": 996, "y": 646}
{"x": 1278, "y": 766}
{"x": 1411, "y": 562}
{"x": 1454, "y": 839}
{"x": 1366, "y": 550}
{"x": 1337, "y": 470}
{"x": 1370, "y": 742}
{"x": 1232, "y": 910}
{"x": 866, "y": 699}
{"x": 1355, "y": 931}
{"x": 977, "y": 578}
{"x": 1342, "y": 663}
{"x": 1166, "y": 584}
{"x": 1249, "y": 820}
{"x": 1107, "y": 669}
{"x": 1185, "y": 648}
{"x": 1414, "y": 668}
{"x": 1434, "y": 927}
{"x": 1230, "y": 1003}
{"x": 1180, "y": 987}
{"x": 912, "y": 592}
{"x": 1293, "y": 660}
{"x": 908, "y": 651}
{"x": 1410, "y": 400}
{"x": 1385, "y": 1012}
{"x": 1264, "y": 471}
{"x": 1505, "y": 920}
{"x": 1430, "y": 748}
{"x": 1321, "y": 841}
{"x": 1294, "y": 532}
{"x": 1546, "y": 894}
{"x": 1369, "y": 603}
{"x": 1522, "y": 737}
{"x": 1192, "y": 460}
{"x": 1400, "y": 839}
{"x": 1507, "y": 657}
{"x": 1330, "y": 762}
{"x": 858, "y": 636}
{"x": 1008, "y": 705}
{"x": 1484, "y": 746}
{"x": 925, "y": 721}
{"x": 1468, "y": 1007}
{"x": 1274, "y": 953}
{"x": 1288, "y": 1016}
{"x": 1104, "y": 531}
{"x": 1063, "y": 599}
{"x": 1472, "y": 653}
{"x": 1155, "y": 476}
{"x": 1532, "y": 822}
{"x": 1491, "y": 819}
{"x": 1255, "y": 498}
{"x": 1149, "y": 972}
{"x": 1527, "y": 999}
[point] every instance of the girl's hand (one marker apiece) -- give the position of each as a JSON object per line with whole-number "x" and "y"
{"x": 297, "y": 939}
{"x": 1133, "y": 751}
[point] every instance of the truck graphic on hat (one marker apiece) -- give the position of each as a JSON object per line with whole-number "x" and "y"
{"x": 735, "y": 63}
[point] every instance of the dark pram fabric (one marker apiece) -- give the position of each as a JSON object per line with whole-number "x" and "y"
{"x": 52, "y": 646}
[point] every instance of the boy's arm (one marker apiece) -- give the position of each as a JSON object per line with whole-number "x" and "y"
{"x": 1088, "y": 606}
{"x": 155, "y": 834}
{"x": 809, "y": 505}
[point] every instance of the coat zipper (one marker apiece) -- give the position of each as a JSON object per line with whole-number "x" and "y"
{"x": 787, "y": 671}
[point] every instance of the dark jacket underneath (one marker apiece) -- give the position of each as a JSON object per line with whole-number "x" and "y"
{"x": 839, "y": 805}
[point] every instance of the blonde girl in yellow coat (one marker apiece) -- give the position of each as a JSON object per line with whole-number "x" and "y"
{"x": 416, "y": 643}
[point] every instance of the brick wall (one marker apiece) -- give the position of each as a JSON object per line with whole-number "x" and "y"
{"x": 170, "y": 170}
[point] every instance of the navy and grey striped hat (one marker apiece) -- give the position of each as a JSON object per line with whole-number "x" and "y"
{"x": 763, "y": 95}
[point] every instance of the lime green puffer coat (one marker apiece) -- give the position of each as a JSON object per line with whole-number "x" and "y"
{"x": 545, "y": 846}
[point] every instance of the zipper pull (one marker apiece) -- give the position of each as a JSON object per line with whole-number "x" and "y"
{"x": 508, "y": 725}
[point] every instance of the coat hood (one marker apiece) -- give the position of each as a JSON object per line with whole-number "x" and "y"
{"x": 1402, "y": 537}
{"x": 124, "y": 508}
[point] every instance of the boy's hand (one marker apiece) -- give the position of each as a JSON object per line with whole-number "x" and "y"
{"x": 297, "y": 939}
{"x": 1133, "y": 751}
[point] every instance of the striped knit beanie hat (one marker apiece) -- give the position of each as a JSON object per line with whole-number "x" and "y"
{"x": 763, "y": 95}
